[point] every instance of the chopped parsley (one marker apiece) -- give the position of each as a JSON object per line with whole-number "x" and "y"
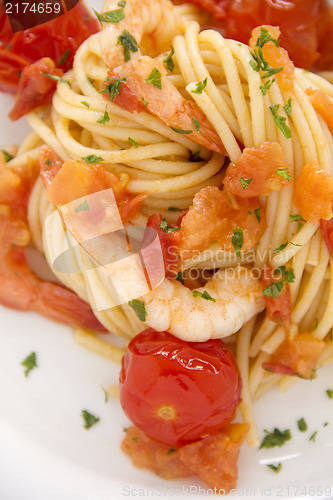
{"x": 281, "y": 247}
{"x": 155, "y": 79}
{"x": 6, "y": 155}
{"x": 273, "y": 290}
{"x": 48, "y": 162}
{"x": 133, "y": 142}
{"x": 56, "y": 78}
{"x": 287, "y": 107}
{"x": 144, "y": 101}
{"x": 196, "y": 124}
{"x": 166, "y": 228}
{"x": 122, "y": 3}
{"x": 129, "y": 44}
{"x": 194, "y": 157}
{"x": 64, "y": 57}
{"x": 275, "y": 438}
{"x": 315, "y": 325}
{"x": 139, "y": 308}
{"x": 29, "y": 363}
{"x": 92, "y": 159}
{"x": 89, "y": 419}
{"x": 83, "y": 207}
{"x": 135, "y": 438}
{"x": 174, "y": 209}
{"x": 329, "y": 393}
{"x": 265, "y": 37}
{"x": 280, "y": 121}
{"x": 172, "y": 450}
{"x": 237, "y": 241}
{"x": 106, "y": 395}
{"x": 180, "y": 277}
{"x": 258, "y": 61}
{"x": 283, "y": 172}
{"x": 124, "y": 429}
{"x": 112, "y": 88}
{"x": 181, "y": 131}
{"x": 302, "y": 425}
{"x": 267, "y": 85}
{"x": 168, "y": 61}
{"x": 296, "y": 218}
{"x": 204, "y": 295}
{"x": 200, "y": 87}
{"x": 105, "y": 118}
{"x": 313, "y": 436}
{"x": 245, "y": 182}
{"x": 111, "y": 16}
{"x": 85, "y": 104}
{"x": 275, "y": 468}
{"x": 256, "y": 212}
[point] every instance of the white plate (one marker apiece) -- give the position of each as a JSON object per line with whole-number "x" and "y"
{"x": 46, "y": 454}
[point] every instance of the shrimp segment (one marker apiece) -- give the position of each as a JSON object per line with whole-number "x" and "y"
{"x": 121, "y": 42}
{"x": 156, "y": 18}
{"x": 166, "y": 103}
{"x": 172, "y": 307}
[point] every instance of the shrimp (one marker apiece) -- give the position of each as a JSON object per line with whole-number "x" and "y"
{"x": 217, "y": 310}
{"x": 120, "y": 42}
{"x": 20, "y": 288}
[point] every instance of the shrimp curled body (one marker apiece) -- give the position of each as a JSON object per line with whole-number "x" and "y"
{"x": 174, "y": 308}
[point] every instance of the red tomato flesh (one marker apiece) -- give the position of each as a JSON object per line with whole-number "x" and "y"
{"x": 176, "y": 391}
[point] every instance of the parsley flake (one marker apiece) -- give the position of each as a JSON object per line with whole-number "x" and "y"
{"x": 122, "y": 3}
{"x": 129, "y": 43}
{"x": 64, "y": 57}
{"x": 29, "y": 363}
{"x": 181, "y": 131}
{"x": 106, "y": 395}
{"x": 144, "y": 101}
{"x": 135, "y": 438}
{"x": 283, "y": 172}
{"x": 48, "y": 162}
{"x": 280, "y": 121}
{"x": 83, "y": 207}
{"x": 273, "y": 290}
{"x": 237, "y": 241}
{"x": 281, "y": 247}
{"x": 133, "y": 142}
{"x": 174, "y": 209}
{"x": 196, "y": 124}
{"x": 288, "y": 107}
{"x": 89, "y": 419}
{"x": 92, "y": 159}
{"x": 56, "y": 78}
{"x": 85, "y": 104}
{"x": 200, "y": 87}
{"x": 313, "y": 436}
{"x": 155, "y": 79}
{"x": 275, "y": 468}
{"x": 296, "y": 218}
{"x": 194, "y": 157}
{"x": 166, "y": 228}
{"x": 275, "y": 438}
{"x": 302, "y": 425}
{"x": 139, "y": 308}
{"x": 172, "y": 450}
{"x": 245, "y": 182}
{"x": 265, "y": 37}
{"x": 111, "y": 16}
{"x": 180, "y": 277}
{"x": 112, "y": 88}
{"x": 168, "y": 61}
{"x": 264, "y": 88}
{"x": 329, "y": 393}
{"x": 204, "y": 295}
{"x": 105, "y": 118}
{"x": 6, "y": 155}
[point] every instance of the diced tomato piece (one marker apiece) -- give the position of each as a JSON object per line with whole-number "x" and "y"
{"x": 322, "y": 104}
{"x": 169, "y": 244}
{"x": 279, "y": 308}
{"x": 297, "y": 356}
{"x": 313, "y": 193}
{"x": 215, "y": 457}
{"x": 257, "y": 168}
{"x": 76, "y": 179}
{"x": 150, "y": 454}
{"x": 35, "y": 88}
{"x": 212, "y": 217}
{"x": 326, "y": 227}
{"x": 49, "y": 164}
{"x": 277, "y": 57}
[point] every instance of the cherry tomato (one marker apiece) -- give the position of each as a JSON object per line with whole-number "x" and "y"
{"x": 176, "y": 391}
{"x": 58, "y": 39}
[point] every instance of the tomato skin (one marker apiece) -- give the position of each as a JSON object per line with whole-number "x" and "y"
{"x": 198, "y": 382}
{"x": 326, "y": 227}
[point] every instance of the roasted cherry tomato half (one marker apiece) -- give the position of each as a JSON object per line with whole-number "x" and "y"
{"x": 176, "y": 391}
